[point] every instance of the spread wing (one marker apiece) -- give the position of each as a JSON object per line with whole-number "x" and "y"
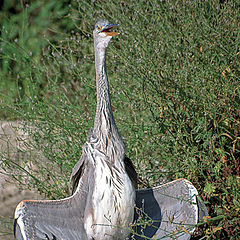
{"x": 169, "y": 211}
{"x": 58, "y": 219}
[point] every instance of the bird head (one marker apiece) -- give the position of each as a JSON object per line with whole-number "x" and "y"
{"x": 103, "y": 33}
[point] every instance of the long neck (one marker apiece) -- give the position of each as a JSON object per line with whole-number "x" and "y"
{"x": 105, "y": 130}
{"x": 103, "y": 95}
{"x": 104, "y": 121}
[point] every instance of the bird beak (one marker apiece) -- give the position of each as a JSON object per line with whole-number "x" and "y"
{"x": 107, "y": 29}
{"x": 112, "y": 33}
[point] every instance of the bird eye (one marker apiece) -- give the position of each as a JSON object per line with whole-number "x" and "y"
{"x": 98, "y": 28}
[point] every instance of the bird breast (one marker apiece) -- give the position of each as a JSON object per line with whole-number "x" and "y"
{"x": 112, "y": 202}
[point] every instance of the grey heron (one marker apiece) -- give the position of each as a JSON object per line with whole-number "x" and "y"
{"x": 105, "y": 202}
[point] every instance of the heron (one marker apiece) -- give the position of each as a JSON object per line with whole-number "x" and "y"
{"x": 105, "y": 200}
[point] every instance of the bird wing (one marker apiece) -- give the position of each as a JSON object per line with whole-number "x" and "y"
{"x": 169, "y": 211}
{"x": 77, "y": 171}
{"x": 131, "y": 171}
{"x": 57, "y": 219}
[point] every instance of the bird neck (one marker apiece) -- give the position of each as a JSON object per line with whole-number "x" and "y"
{"x": 105, "y": 127}
{"x": 103, "y": 95}
{"x": 104, "y": 117}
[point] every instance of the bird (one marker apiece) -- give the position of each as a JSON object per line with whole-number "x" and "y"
{"x": 105, "y": 202}
{"x": 112, "y": 198}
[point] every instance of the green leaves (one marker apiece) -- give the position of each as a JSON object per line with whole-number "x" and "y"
{"x": 174, "y": 80}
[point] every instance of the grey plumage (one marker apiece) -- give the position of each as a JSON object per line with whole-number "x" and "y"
{"x": 170, "y": 211}
{"x": 57, "y": 219}
{"x": 102, "y": 205}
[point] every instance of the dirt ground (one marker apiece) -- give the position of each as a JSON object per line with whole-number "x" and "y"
{"x": 10, "y": 194}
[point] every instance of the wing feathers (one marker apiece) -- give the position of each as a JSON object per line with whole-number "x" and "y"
{"x": 131, "y": 171}
{"x": 167, "y": 211}
{"x": 77, "y": 171}
{"x": 46, "y": 220}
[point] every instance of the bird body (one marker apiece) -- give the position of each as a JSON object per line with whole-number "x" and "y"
{"x": 110, "y": 208}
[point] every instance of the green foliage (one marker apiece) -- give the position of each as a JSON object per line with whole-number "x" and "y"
{"x": 174, "y": 76}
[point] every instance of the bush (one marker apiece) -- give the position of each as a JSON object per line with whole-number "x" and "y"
{"x": 174, "y": 76}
